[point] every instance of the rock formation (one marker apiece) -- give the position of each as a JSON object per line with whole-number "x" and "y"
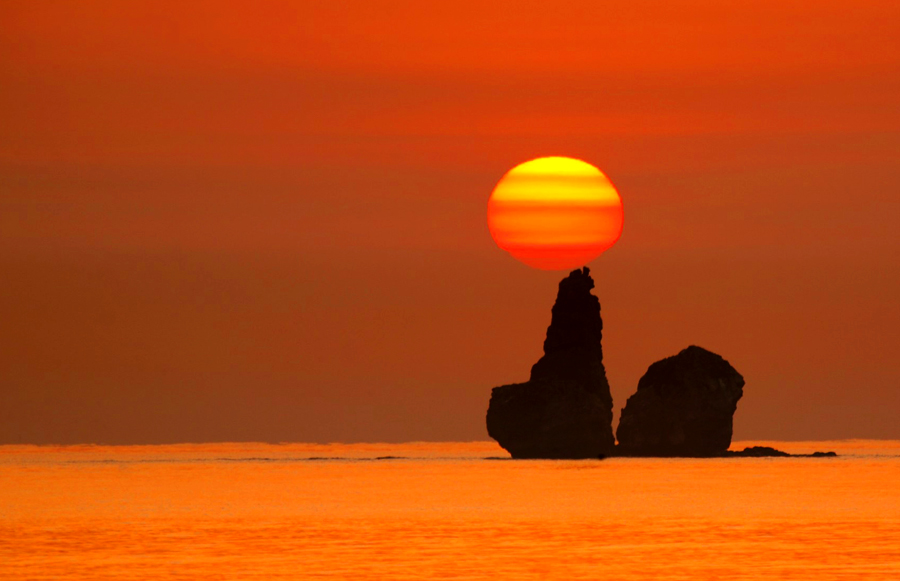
{"x": 684, "y": 404}
{"x": 767, "y": 452}
{"x": 759, "y": 452}
{"x": 565, "y": 409}
{"x": 683, "y": 407}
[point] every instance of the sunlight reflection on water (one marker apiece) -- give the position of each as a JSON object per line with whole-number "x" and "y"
{"x": 258, "y": 511}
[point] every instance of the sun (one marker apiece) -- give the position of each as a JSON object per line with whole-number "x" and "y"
{"x": 555, "y": 213}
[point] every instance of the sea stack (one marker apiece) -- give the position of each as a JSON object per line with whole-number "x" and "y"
{"x": 683, "y": 406}
{"x": 565, "y": 409}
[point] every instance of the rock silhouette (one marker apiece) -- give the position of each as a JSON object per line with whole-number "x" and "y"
{"x": 767, "y": 452}
{"x": 760, "y": 452}
{"x": 565, "y": 409}
{"x": 683, "y": 406}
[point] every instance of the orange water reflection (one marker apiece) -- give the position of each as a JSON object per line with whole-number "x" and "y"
{"x": 256, "y": 511}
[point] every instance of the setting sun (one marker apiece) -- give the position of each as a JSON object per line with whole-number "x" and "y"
{"x": 555, "y": 213}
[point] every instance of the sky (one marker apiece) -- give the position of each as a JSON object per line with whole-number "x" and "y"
{"x": 226, "y": 221}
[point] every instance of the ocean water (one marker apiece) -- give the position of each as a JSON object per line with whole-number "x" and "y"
{"x": 444, "y": 511}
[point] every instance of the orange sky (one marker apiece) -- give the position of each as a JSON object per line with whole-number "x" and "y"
{"x": 239, "y": 222}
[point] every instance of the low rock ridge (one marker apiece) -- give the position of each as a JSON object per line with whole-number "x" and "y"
{"x": 767, "y": 452}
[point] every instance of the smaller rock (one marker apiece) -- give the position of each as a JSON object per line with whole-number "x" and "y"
{"x": 683, "y": 406}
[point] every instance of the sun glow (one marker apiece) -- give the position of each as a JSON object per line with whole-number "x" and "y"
{"x": 555, "y": 213}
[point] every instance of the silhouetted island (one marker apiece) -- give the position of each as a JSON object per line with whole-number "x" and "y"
{"x": 684, "y": 404}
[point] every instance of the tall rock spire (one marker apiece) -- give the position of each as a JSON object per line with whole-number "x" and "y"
{"x": 565, "y": 409}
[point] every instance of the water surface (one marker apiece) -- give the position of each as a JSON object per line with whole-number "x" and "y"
{"x": 444, "y": 511}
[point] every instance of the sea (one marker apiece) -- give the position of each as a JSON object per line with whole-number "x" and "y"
{"x": 444, "y": 511}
